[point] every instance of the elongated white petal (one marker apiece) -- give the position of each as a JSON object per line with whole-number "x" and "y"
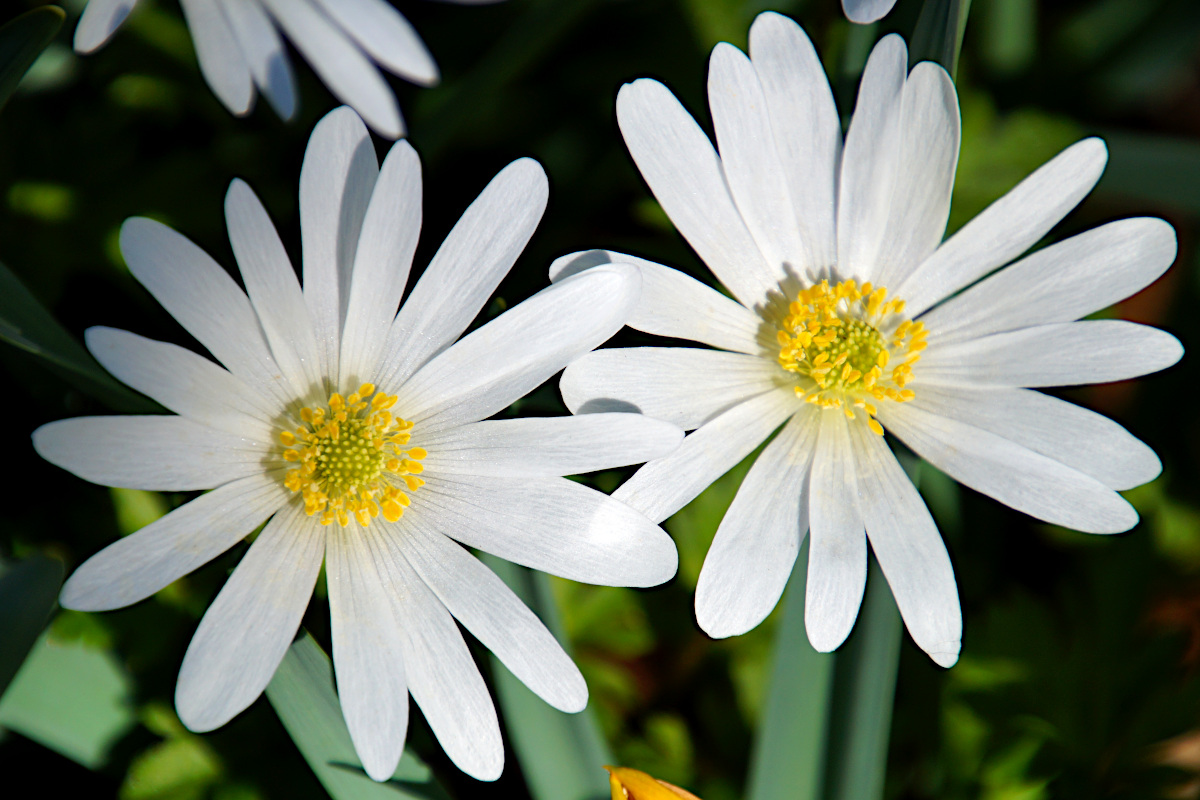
{"x": 1062, "y": 354}
{"x": 869, "y": 161}
{"x": 674, "y": 304}
{"x": 162, "y": 453}
{"x": 496, "y": 617}
{"x": 505, "y": 359}
{"x": 386, "y": 36}
{"x": 667, "y": 484}
{"x": 750, "y": 160}
{"x": 442, "y": 677}
{"x": 368, "y": 650}
{"x": 186, "y": 383}
{"x": 1008, "y": 227}
{"x": 1014, "y": 475}
{"x": 202, "y": 296}
{"x": 551, "y": 524}
{"x": 808, "y": 132}
{"x": 684, "y": 173}
{"x": 336, "y": 181}
{"x": 99, "y": 22}
{"x": 274, "y": 291}
{"x": 686, "y": 386}
{"x": 1061, "y": 283}
{"x": 751, "y": 557}
{"x": 864, "y": 11}
{"x": 909, "y": 548}
{"x": 221, "y": 60}
{"x": 161, "y": 553}
{"x": 548, "y": 446}
{"x": 928, "y": 156}
{"x": 474, "y": 258}
{"x": 246, "y": 631}
{"x": 837, "y": 550}
{"x": 1081, "y": 439}
{"x": 381, "y": 262}
{"x": 265, "y": 54}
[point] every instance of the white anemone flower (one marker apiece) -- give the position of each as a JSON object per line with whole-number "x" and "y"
{"x": 328, "y": 408}
{"x": 806, "y": 231}
{"x": 866, "y": 11}
{"x": 240, "y": 50}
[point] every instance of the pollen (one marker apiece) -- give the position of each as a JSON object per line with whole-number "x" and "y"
{"x": 851, "y": 347}
{"x": 352, "y": 463}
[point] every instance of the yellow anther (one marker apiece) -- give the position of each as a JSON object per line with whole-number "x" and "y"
{"x": 874, "y": 425}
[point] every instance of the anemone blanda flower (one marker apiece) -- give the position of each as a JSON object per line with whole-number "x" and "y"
{"x": 239, "y": 47}
{"x": 805, "y": 232}
{"x": 355, "y": 434}
{"x": 864, "y": 11}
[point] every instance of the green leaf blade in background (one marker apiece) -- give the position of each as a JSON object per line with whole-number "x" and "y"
{"x": 938, "y": 35}
{"x": 28, "y": 595}
{"x": 21, "y": 41}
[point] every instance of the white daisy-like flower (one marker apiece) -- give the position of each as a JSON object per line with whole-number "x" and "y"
{"x": 360, "y": 437}
{"x": 865, "y": 11}
{"x": 805, "y": 232}
{"x": 240, "y": 49}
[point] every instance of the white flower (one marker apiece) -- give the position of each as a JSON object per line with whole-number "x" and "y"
{"x": 796, "y": 225}
{"x": 239, "y": 48}
{"x": 864, "y": 11}
{"x": 335, "y": 476}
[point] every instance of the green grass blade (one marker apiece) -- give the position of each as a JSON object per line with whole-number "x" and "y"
{"x": 28, "y": 594}
{"x": 938, "y": 35}
{"x": 21, "y": 41}
{"x": 562, "y": 755}
{"x": 303, "y": 696}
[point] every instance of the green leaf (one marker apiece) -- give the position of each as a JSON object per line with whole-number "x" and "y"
{"x": 938, "y": 35}
{"x": 302, "y": 693}
{"x": 26, "y": 324}
{"x": 562, "y": 755}
{"x": 28, "y": 594}
{"x": 21, "y": 41}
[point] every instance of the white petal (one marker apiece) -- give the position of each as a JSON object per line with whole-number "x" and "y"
{"x": 909, "y": 549}
{"x": 336, "y": 181}
{"x": 687, "y": 386}
{"x": 202, "y": 296}
{"x": 496, "y": 617}
{"x": 186, "y": 383}
{"x": 346, "y": 71}
{"x": 265, "y": 54}
{"x": 381, "y": 262}
{"x": 684, "y": 173}
{"x": 808, "y": 131}
{"x": 550, "y": 524}
{"x": 1062, "y": 354}
{"x": 442, "y": 677}
{"x": 1006, "y": 228}
{"x": 521, "y": 349}
{"x": 161, "y": 453}
{"x": 386, "y": 36}
{"x": 837, "y": 550}
{"x": 751, "y": 163}
{"x": 865, "y": 11}
{"x": 161, "y": 553}
{"x": 1081, "y": 439}
{"x": 548, "y": 446}
{"x": 474, "y": 258}
{"x": 1061, "y": 283}
{"x": 667, "y": 484}
{"x": 869, "y": 161}
{"x": 274, "y": 291}
{"x": 221, "y": 60}
{"x": 1010, "y": 473}
{"x": 368, "y": 651}
{"x": 247, "y": 630}
{"x": 928, "y": 155}
{"x": 99, "y": 22}
{"x": 674, "y": 304}
{"x": 751, "y": 557}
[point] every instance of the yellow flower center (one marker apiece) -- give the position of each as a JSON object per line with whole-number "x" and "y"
{"x": 352, "y": 459}
{"x": 841, "y": 340}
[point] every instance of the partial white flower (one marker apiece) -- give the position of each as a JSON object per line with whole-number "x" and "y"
{"x": 239, "y": 46}
{"x": 805, "y": 231}
{"x": 865, "y": 11}
{"x": 360, "y": 437}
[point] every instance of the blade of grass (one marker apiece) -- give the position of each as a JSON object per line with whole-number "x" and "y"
{"x": 21, "y": 41}
{"x": 938, "y": 34}
{"x": 28, "y": 594}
